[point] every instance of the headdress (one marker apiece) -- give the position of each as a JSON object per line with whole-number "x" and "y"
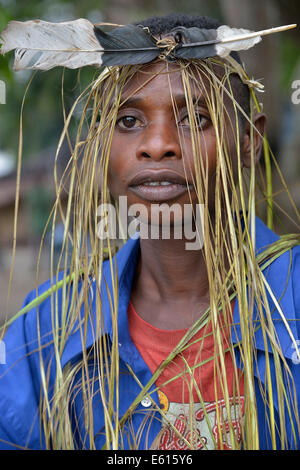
{"x": 73, "y": 44}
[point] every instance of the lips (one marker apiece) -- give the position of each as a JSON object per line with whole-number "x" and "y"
{"x": 159, "y": 185}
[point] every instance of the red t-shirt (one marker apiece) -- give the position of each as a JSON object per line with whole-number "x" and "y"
{"x": 181, "y": 399}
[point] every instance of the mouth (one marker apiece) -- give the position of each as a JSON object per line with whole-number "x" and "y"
{"x": 159, "y": 185}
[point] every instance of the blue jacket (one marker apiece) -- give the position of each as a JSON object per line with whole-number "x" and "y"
{"x": 20, "y": 378}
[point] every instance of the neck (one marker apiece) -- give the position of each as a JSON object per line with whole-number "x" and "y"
{"x": 172, "y": 271}
{"x": 171, "y": 284}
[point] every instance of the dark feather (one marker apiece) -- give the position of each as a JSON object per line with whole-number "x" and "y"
{"x": 195, "y": 43}
{"x": 126, "y": 45}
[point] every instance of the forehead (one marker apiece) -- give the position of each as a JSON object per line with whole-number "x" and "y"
{"x": 167, "y": 80}
{"x": 163, "y": 78}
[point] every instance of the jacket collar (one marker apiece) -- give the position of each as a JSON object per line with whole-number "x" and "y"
{"x": 123, "y": 264}
{"x": 276, "y": 274}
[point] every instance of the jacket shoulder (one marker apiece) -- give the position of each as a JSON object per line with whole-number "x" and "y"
{"x": 27, "y": 341}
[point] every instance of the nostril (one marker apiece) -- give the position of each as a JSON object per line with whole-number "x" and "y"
{"x": 158, "y": 151}
{"x": 170, "y": 154}
{"x": 167, "y": 154}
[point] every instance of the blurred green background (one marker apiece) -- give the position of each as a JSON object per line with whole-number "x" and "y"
{"x": 276, "y": 61}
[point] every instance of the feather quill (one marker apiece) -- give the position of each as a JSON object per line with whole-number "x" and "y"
{"x": 43, "y": 45}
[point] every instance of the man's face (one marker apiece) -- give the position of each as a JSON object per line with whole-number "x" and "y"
{"x": 151, "y": 158}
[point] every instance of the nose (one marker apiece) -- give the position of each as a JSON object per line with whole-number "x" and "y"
{"x": 159, "y": 140}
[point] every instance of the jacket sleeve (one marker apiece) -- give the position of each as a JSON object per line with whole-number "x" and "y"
{"x": 296, "y": 288}
{"x": 20, "y": 385}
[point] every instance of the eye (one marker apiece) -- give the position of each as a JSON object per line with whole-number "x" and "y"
{"x": 200, "y": 120}
{"x": 128, "y": 122}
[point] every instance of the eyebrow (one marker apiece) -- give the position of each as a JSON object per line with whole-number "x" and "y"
{"x": 132, "y": 101}
{"x": 179, "y": 99}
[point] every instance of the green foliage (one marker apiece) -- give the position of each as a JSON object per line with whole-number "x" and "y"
{"x": 290, "y": 60}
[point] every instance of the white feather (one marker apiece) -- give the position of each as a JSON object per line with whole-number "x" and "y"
{"x": 230, "y": 40}
{"x": 43, "y": 45}
{"x": 233, "y": 39}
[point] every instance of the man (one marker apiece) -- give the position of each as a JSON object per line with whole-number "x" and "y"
{"x": 161, "y": 346}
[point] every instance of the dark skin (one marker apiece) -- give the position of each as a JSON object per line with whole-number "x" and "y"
{"x": 170, "y": 288}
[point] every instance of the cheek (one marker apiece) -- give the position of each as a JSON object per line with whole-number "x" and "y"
{"x": 114, "y": 169}
{"x": 205, "y": 155}
{"x": 120, "y": 164}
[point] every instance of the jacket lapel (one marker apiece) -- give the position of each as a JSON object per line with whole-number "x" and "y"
{"x": 279, "y": 277}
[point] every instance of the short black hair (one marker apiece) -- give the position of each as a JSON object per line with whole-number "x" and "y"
{"x": 162, "y": 25}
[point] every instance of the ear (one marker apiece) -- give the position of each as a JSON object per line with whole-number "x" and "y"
{"x": 258, "y": 133}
